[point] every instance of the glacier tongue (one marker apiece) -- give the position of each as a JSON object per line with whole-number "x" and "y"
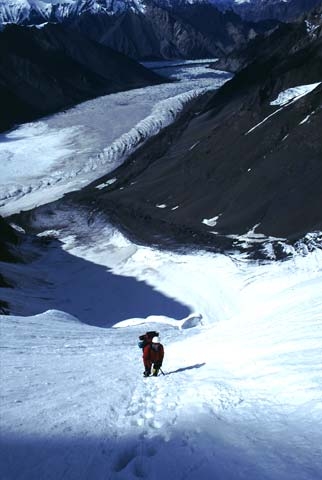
{"x": 73, "y": 148}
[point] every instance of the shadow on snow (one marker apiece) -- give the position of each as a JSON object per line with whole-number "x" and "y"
{"x": 198, "y": 365}
{"x": 90, "y": 292}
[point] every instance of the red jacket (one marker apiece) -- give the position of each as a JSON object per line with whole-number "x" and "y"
{"x": 153, "y": 354}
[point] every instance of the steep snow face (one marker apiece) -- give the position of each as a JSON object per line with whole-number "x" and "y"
{"x": 240, "y": 397}
{"x": 18, "y": 11}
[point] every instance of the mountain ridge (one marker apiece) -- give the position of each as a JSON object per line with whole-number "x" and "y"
{"x": 40, "y": 11}
{"x": 144, "y": 29}
{"x": 48, "y": 69}
{"x": 256, "y": 10}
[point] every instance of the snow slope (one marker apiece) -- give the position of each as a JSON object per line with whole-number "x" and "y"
{"x": 241, "y": 394}
{"x": 240, "y": 398}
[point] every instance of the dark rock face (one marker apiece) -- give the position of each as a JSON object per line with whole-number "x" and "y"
{"x": 8, "y": 240}
{"x": 285, "y": 40}
{"x": 45, "y": 70}
{"x": 243, "y": 161}
{"x": 159, "y": 30}
{"x": 190, "y": 31}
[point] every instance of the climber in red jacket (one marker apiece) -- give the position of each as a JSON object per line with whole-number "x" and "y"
{"x": 153, "y": 354}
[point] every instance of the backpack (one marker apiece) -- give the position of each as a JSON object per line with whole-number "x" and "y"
{"x": 147, "y": 338}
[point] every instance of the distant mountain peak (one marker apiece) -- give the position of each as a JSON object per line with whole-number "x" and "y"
{"x": 255, "y": 10}
{"x": 38, "y": 11}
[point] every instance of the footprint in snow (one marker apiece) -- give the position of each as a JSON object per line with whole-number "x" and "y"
{"x": 132, "y": 459}
{"x": 124, "y": 458}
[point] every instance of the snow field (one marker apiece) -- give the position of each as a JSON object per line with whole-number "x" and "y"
{"x": 241, "y": 394}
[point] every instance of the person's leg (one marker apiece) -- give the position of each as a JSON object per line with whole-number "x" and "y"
{"x": 147, "y": 366}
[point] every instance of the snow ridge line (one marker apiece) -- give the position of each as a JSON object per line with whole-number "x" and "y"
{"x": 163, "y": 114}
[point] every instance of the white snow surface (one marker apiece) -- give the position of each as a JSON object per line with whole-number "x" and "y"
{"x": 240, "y": 398}
{"x": 294, "y": 93}
{"x": 211, "y": 222}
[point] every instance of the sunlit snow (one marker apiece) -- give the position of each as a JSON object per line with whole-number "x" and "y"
{"x": 240, "y": 393}
{"x": 211, "y": 222}
{"x": 294, "y": 93}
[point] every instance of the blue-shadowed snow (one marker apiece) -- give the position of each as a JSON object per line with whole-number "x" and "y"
{"x": 70, "y": 149}
{"x": 240, "y": 397}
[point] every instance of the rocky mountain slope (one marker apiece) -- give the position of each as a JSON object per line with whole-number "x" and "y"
{"x": 248, "y": 162}
{"x": 9, "y": 240}
{"x": 142, "y": 29}
{"x": 288, "y": 38}
{"x": 47, "y": 69}
{"x": 190, "y": 31}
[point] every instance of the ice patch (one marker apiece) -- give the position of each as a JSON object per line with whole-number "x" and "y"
{"x": 306, "y": 119}
{"x": 294, "y": 93}
{"x": 252, "y": 237}
{"x": 194, "y": 145}
{"x": 211, "y": 222}
{"x": 106, "y": 184}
